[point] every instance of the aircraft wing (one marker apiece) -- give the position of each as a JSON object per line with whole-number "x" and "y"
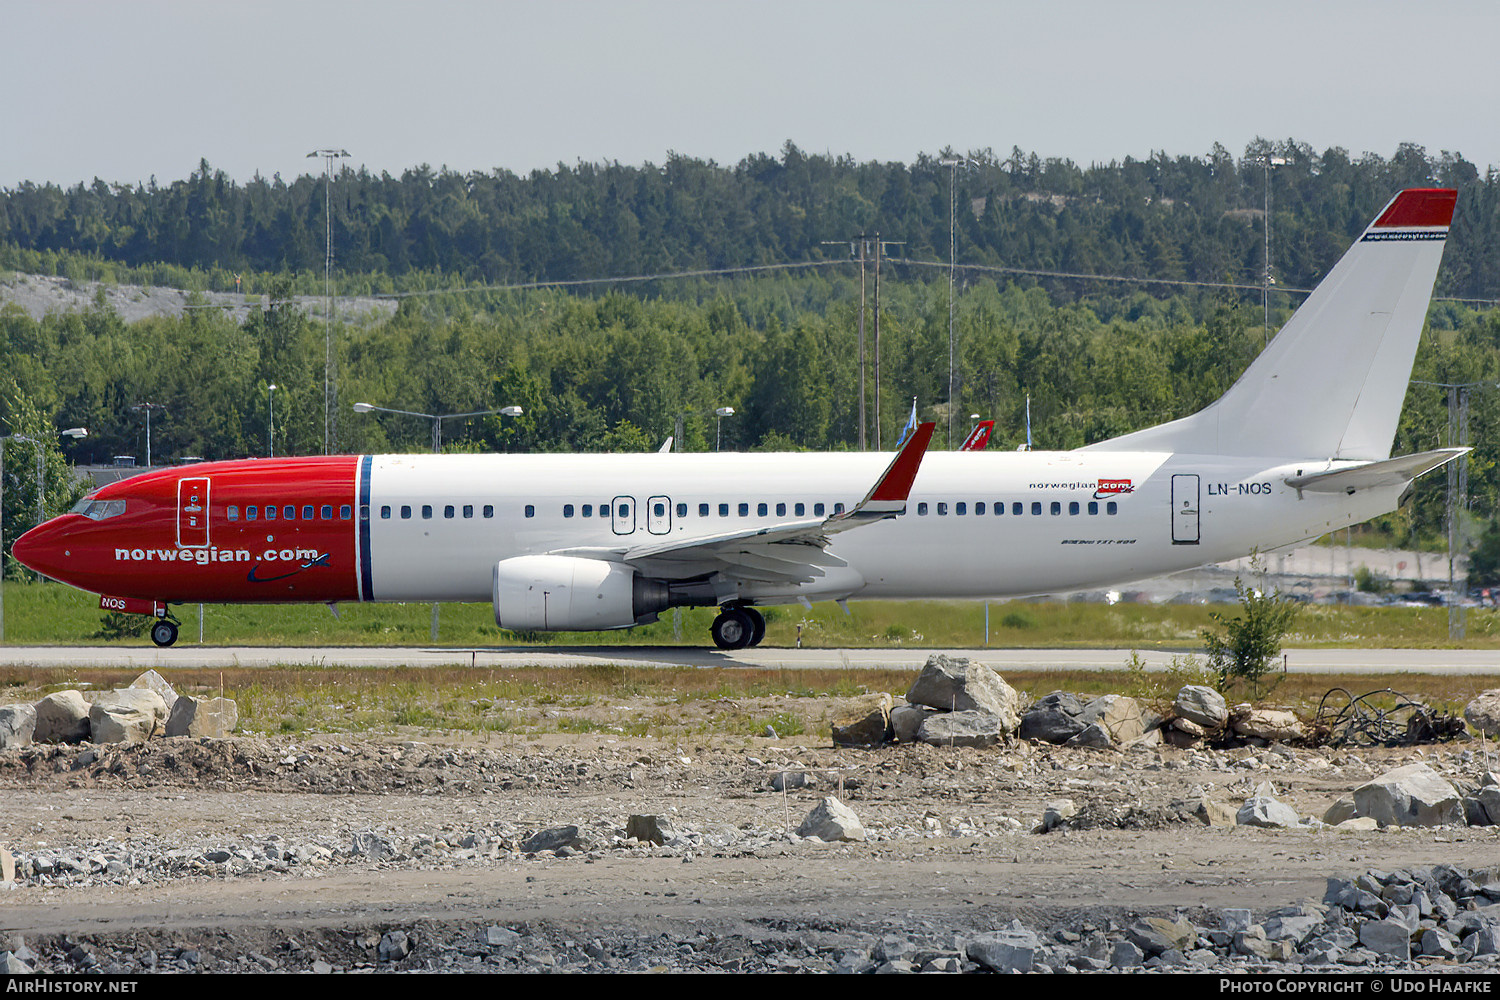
{"x": 1390, "y": 472}
{"x": 788, "y": 552}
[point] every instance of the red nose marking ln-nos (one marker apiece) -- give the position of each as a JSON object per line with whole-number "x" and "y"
{"x": 259, "y": 531}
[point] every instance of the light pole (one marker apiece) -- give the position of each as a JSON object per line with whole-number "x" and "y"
{"x": 330, "y": 379}
{"x": 719, "y": 415}
{"x": 1268, "y": 161}
{"x": 952, "y": 163}
{"x": 271, "y": 420}
{"x": 437, "y": 419}
{"x": 148, "y": 407}
{"x": 72, "y": 432}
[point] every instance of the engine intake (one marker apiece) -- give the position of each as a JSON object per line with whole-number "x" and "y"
{"x": 568, "y": 593}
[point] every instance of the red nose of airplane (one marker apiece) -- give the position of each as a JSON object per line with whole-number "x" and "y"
{"x": 40, "y": 549}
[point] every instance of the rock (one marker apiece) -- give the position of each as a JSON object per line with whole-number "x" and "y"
{"x": 973, "y": 728}
{"x": 1010, "y": 950}
{"x": 372, "y": 845}
{"x": 1390, "y": 938}
{"x": 1414, "y": 795}
{"x": 7, "y": 866}
{"x": 1267, "y": 724}
{"x": 17, "y": 726}
{"x": 1202, "y": 706}
{"x": 11, "y": 965}
{"x": 1050, "y": 725}
{"x": 1341, "y": 810}
{"x": 955, "y": 684}
{"x": 62, "y": 717}
{"x": 394, "y": 946}
{"x": 832, "y": 821}
{"x": 1483, "y": 713}
{"x": 784, "y": 780}
{"x": 215, "y": 717}
{"x": 153, "y": 681}
{"x": 1154, "y": 935}
{"x": 551, "y": 839}
{"x": 906, "y": 720}
{"x": 130, "y": 715}
{"x": 1119, "y": 716}
{"x": 1057, "y": 813}
{"x": 1212, "y": 812}
{"x": 863, "y": 722}
{"x": 650, "y": 829}
{"x": 1093, "y": 735}
{"x": 1264, "y": 811}
{"x": 1126, "y": 955}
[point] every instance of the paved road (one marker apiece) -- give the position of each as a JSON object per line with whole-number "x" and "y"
{"x": 1354, "y": 661}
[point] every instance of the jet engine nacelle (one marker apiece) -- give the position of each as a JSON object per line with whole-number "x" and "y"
{"x": 568, "y": 593}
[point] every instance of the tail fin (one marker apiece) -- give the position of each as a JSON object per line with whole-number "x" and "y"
{"x": 1331, "y": 383}
{"x": 978, "y": 437}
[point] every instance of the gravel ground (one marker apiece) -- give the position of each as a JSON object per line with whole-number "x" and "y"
{"x": 331, "y": 853}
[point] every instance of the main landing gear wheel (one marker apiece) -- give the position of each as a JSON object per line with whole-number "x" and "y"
{"x": 757, "y": 625}
{"x": 164, "y": 632}
{"x": 734, "y": 628}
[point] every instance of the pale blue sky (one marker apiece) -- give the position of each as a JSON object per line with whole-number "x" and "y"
{"x": 127, "y": 90}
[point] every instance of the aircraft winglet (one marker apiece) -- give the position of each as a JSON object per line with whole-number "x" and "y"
{"x": 888, "y": 496}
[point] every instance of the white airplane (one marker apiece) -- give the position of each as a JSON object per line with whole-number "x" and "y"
{"x": 1298, "y": 447}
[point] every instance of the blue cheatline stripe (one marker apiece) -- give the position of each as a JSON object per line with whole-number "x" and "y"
{"x": 366, "y": 585}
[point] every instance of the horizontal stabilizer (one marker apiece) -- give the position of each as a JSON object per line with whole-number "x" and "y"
{"x": 1391, "y": 472}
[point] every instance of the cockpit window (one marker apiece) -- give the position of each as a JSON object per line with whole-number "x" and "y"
{"x": 98, "y": 510}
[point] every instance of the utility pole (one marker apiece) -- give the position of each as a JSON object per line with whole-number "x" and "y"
{"x": 1266, "y": 281}
{"x": 330, "y": 376}
{"x": 880, "y": 246}
{"x": 859, "y": 250}
{"x": 952, "y": 163}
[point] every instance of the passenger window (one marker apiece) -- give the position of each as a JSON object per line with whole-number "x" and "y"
{"x": 447, "y": 510}
{"x": 723, "y": 510}
{"x": 251, "y": 512}
{"x": 838, "y": 508}
{"x": 1056, "y": 507}
{"x": 405, "y": 512}
{"x": 1036, "y": 507}
{"x": 942, "y": 510}
{"x": 1111, "y": 508}
{"x": 960, "y": 508}
{"x": 682, "y": 510}
{"x": 760, "y": 510}
{"x": 781, "y": 510}
{"x": 1073, "y": 507}
{"x": 327, "y": 513}
{"x": 364, "y": 512}
{"x": 744, "y": 510}
{"x": 703, "y": 510}
{"x": 385, "y": 512}
{"x": 345, "y": 512}
{"x": 818, "y": 510}
{"x": 270, "y": 513}
{"x": 588, "y": 510}
{"x": 624, "y": 510}
{"x": 307, "y": 512}
{"x": 233, "y": 513}
{"x": 1093, "y": 506}
{"x": 979, "y": 508}
{"x": 427, "y": 512}
{"x": 489, "y": 510}
{"x": 1016, "y": 508}
{"x": 659, "y": 510}
{"x": 290, "y": 513}
{"x": 800, "y": 510}
{"x": 567, "y": 510}
{"x": 922, "y": 509}
{"x": 530, "y": 510}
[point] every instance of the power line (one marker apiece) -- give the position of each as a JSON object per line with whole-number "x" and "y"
{"x": 576, "y": 282}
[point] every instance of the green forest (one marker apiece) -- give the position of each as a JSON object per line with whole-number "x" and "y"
{"x": 618, "y": 333}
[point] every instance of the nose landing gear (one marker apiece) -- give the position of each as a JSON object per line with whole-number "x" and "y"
{"x": 164, "y": 632}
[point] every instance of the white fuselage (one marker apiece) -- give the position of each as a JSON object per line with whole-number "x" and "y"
{"x": 1085, "y": 519}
